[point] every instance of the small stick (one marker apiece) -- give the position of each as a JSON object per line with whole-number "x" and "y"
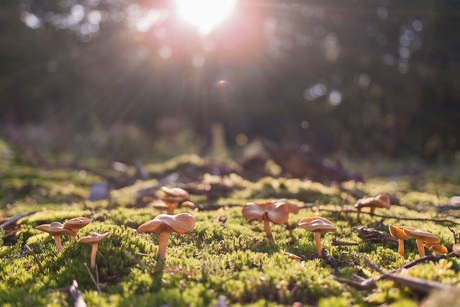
{"x": 76, "y": 295}
{"x": 15, "y": 218}
{"x": 417, "y": 283}
{"x": 342, "y": 243}
{"x": 92, "y": 277}
{"x": 455, "y": 235}
{"x": 36, "y": 258}
{"x": 97, "y": 275}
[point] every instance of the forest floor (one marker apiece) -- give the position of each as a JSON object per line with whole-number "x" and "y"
{"x": 225, "y": 260}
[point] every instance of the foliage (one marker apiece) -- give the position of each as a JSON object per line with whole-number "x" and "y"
{"x": 365, "y": 77}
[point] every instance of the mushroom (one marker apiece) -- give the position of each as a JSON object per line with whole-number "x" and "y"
{"x": 276, "y": 212}
{"x": 173, "y": 197}
{"x": 164, "y": 224}
{"x": 75, "y": 225}
{"x": 94, "y": 240}
{"x": 187, "y": 204}
{"x": 436, "y": 248}
{"x": 421, "y": 236}
{"x": 398, "y": 233}
{"x": 292, "y": 207}
{"x": 162, "y": 207}
{"x": 56, "y": 230}
{"x": 318, "y": 225}
{"x": 456, "y": 249}
{"x": 380, "y": 201}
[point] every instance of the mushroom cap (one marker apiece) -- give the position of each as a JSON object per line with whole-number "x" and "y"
{"x": 55, "y": 229}
{"x": 317, "y": 224}
{"x": 437, "y": 248}
{"x": 187, "y": 204}
{"x": 276, "y": 212}
{"x": 77, "y": 223}
{"x": 418, "y": 234}
{"x": 292, "y": 207}
{"x": 174, "y": 194}
{"x": 180, "y": 223}
{"x": 160, "y": 206}
{"x": 398, "y": 232}
{"x": 95, "y": 238}
{"x": 380, "y": 201}
{"x": 456, "y": 249}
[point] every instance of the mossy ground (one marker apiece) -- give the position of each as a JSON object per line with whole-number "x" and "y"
{"x": 224, "y": 255}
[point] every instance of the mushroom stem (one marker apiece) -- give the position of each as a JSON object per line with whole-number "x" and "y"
{"x": 401, "y": 247}
{"x": 72, "y": 239}
{"x": 421, "y": 248}
{"x": 57, "y": 240}
{"x": 93, "y": 255}
{"x": 318, "y": 243}
{"x": 358, "y": 210}
{"x": 372, "y": 211}
{"x": 171, "y": 207}
{"x": 268, "y": 230}
{"x": 164, "y": 236}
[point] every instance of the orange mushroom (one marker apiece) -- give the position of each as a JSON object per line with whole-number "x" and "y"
{"x": 56, "y": 230}
{"x": 75, "y": 225}
{"x": 292, "y": 207}
{"x": 421, "y": 236}
{"x": 398, "y": 233}
{"x": 94, "y": 240}
{"x": 456, "y": 249}
{"x": 318, "y": 225}
{"x": 436, "y": 248}
{"x": 276, "y": 212}
{"x": 164, "y": 224}
{"x": 173, "y": 197}
{"x": 380, "y": 201}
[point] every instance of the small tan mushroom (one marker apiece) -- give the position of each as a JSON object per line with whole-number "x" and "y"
{"x": 456, "y": 249}
{"x": 75, "y": 225}
{"x": 162, "y": 207}
{"x": 292, "y": 207}
{"x": 398, "y": 233}
{"x": 380, "y": 201}
{"x": 187, "y": 204}
{"x": 421, "y": 236}
{"x": 276, "y": 212}
{"x": 56, "y": 230}
{"x": 436, "y": 248}
{"x": 173, "y": 197}
{"x": 94, "y": 240}
{"x": 318, "y": 225}
{"x": 164, "y": 224}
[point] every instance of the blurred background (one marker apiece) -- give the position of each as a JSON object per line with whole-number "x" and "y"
{"x": 152, "y": 79}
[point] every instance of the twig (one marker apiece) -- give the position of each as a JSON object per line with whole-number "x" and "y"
{"x": 373, "y": 265}
{"x": 331, "y": 260}
{"x": 342, "y": 243}
{"x": 76, "y": 295}
{"x": 426, "y": 258}
{"x": 92, "y": 277}
{"x": 36, "y": 258}
{"x": 416, "y": 283}
{"x": 455, "y": 235}
{"x": 15, "y": 218}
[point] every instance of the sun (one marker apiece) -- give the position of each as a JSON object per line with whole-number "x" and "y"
{"x": 205, "y": 14}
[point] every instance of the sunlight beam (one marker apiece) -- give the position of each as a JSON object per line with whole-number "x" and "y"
{"x": 205, "y": 14}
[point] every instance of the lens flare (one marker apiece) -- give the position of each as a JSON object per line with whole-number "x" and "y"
{"x": 205, "y": 14}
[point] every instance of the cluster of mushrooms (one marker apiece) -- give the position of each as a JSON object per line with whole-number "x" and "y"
{"x": 276, "y": 211}
{"x": 71, "y": 228}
